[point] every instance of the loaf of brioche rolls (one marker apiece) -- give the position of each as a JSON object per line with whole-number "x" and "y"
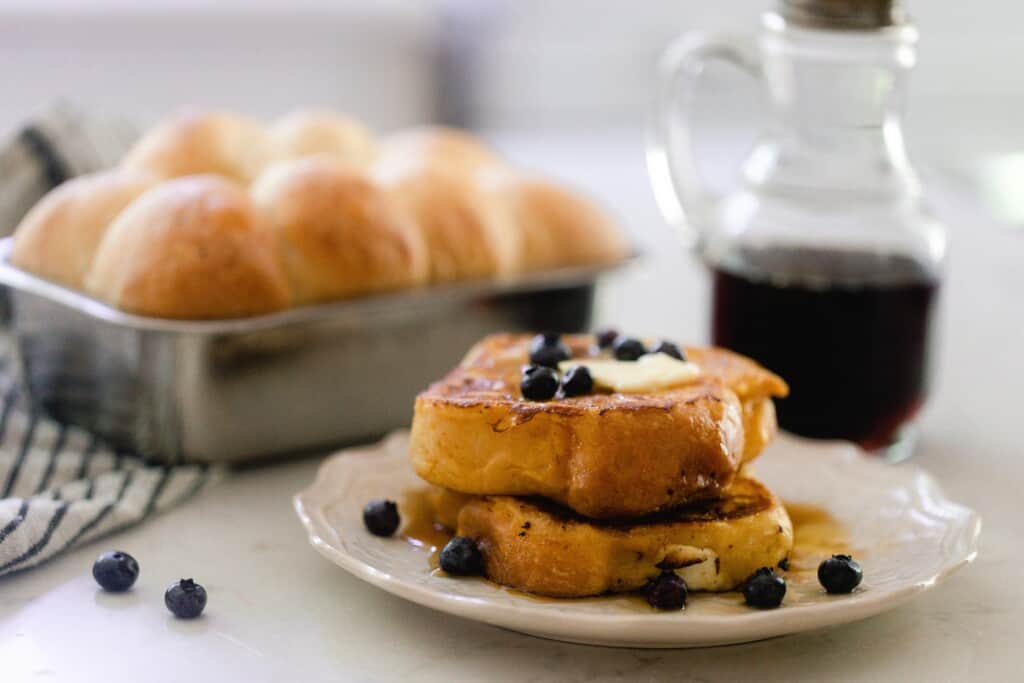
{"x": 215, "y": 215}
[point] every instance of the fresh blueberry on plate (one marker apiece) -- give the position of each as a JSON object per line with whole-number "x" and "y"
{"x": 539, "y": 383}
{"x": 185, "y": 598}
{"x": 607, "y": 337}
{"x": 547, "y": 349}
{"x": 577, "y": 381}
{"x": 627, "y": 348}
{"x": 667, "y": 592}
{"x": 461, "y": 557}
{"x": 669, "y": 349}
{"x": 115, "y": 571}
{"x": 381, "y": 517}
{"x": 840, "y": 574}
{"x": 764, "y": 589}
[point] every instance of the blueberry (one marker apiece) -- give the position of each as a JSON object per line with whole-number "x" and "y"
{"x": 764, "y": 589}
{"x": 115, "y": 571}
{"x": 840, "y": 574}
{"x": 667, "y": 592}
{"x": 547, "y": 349}
{"x": 669, "y": 349}
{"x": 461, "y": 557}
{"x": 577, "y": 381}
{"x": 381, "y": 517}
{"x": 185, "y": 598}
{"x": 607, "y": 337}
{"x": 627, "y": 348}
{"x": 539, "y": 383}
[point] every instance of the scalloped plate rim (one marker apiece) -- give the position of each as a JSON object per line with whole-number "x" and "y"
{"x": 594, "y": 628}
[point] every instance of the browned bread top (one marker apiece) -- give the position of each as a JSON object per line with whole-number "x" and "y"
{"x": 557, "y": 225}
{"x": 336, "y": 231}
{"x": 603, "y": 455}
{"x": 314, "y": 133}
{"x": 189, "y": 248}
{"x": 196, "y": 142}
{"x": 467, "y": 235}
{"x": 58, "y": 238}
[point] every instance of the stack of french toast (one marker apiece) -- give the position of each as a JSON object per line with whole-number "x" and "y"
{"x": 580, "y": 465}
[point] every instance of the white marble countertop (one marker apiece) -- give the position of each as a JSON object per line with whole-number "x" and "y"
{"x": 278, "y": 611}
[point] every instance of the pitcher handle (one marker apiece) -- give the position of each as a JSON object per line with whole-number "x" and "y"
{"x": 683, "y": 196}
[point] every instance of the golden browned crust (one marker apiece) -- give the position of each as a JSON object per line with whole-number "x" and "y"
{"x": 193, "y": 142}
{"x": 337, "y": 231}
{"x": 309, "y": 132}
{"x": 436, "y": 146}
{"x": 603, "y": 455}
{"x": 558, "y": 227}
{"x": 58, "y": 238}
{"x": 534, "y": 546}
{"x": 467, "y": 236}
{"x": 189, "y": 248}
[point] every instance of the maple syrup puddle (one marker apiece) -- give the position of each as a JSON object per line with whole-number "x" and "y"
{"x": 419, "y": 529}
{"x": 817, "y": 535}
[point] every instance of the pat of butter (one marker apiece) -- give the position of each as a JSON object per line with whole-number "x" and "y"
{"x": 649, "y": 373}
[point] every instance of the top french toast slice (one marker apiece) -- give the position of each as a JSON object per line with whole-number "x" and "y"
{"x": 603, "y": 455}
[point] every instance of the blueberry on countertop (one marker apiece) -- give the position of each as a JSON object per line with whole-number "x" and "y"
{"x": 381, "y": 517}
{"x": 669, "y": 349}
{"x": 764, "y": 589}
{"x": 840, "y": 574}
{"x": 539, "y": 383}
{"x": 627, "y": 348}
{"x": 461, "y": 557}
{"x": 667, "y": 592}
{"x": 547, "y": 349}
{"x": 115, "y": 571}
{"x": 577, "y": 381}
{"x": 185, "y": 598}
{"x": 606, "y": 337}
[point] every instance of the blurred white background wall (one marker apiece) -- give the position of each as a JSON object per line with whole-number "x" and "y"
{"x": 507, "y": 63}
{"x": 139, "y": 59}
{"x": 526, "y": 65}
{"x": 561, "y": 61}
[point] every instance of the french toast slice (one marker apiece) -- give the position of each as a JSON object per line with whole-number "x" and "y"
{"x": 535, "y": 546}
{"x": 604, "y": 455}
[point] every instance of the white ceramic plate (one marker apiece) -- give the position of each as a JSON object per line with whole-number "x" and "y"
{"x": 907, "y": 536}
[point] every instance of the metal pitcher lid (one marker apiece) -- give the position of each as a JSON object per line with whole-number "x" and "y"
{"x": 857, "y": 15}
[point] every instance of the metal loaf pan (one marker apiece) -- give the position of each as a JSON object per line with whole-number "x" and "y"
{"x": 304, "y": 379}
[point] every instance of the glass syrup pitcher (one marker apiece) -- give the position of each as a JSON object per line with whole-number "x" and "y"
{"x": 825, "y": 265}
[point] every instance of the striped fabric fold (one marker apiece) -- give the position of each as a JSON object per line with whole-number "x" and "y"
{"x": 61, "y": 487}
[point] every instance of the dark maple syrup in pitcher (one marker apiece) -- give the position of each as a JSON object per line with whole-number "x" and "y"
{"x": 851, "y": 332}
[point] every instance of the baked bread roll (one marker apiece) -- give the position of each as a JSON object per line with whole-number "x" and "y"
{"x": 202, "y": 142}
{"x": 318, "y": 133}
{"x": 467, "y": 235}
{"x": 436, "y": 146}
{"x": 58, "y": 238}
{"x": 328, "y": 213}
{"x": 338, "y": 232}
{"x": 189, "y": 248}
{"x": 558, "y": 227}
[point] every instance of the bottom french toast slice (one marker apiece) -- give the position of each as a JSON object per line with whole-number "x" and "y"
{"x": 538, "y": 547}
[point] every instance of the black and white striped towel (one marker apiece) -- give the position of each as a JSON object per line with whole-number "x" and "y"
{"x": 59, "y": 486}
